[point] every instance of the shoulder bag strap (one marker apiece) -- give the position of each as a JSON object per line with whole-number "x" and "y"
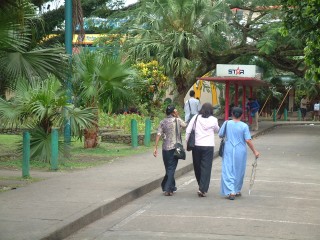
{"x": 177, "y": 132}
{"x": 189, "y": 107}
{"x": 195, "y": 123}
{"x": 225, "y": 130}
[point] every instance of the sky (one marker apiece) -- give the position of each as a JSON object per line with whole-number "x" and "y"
{"x": 128, "y": 2}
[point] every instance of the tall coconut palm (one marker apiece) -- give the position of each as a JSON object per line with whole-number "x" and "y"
{"x": 104, "y": 82}
{"x": 38, "y": 106}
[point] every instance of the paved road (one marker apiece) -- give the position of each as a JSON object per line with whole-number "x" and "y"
{"x": 284, "y": 202}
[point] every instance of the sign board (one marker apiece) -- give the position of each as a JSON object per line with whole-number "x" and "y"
{"x": 234, "y": 70}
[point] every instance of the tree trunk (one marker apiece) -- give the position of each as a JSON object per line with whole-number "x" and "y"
{"x": 182, "y": 89}
{"x": 91, "y": 137}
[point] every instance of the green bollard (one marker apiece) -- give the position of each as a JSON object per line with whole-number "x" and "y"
{"x": 299, "y": 115}
{"x": 26, "y": 155}
{"x": 67, "y": 139}
{"x": 274, "y": 115}
{"x": 134, "y": 133}
{"x": 285, "y": 114}
{"x": 54, "y": 149}
{"x": 147, "y": 132}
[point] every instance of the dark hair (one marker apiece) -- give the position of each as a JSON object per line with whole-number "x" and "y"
{"x": 206, "y": 110}
{"x": 192, "y": 93}
{"x": 170, "y": 109}
{"x": 236, "y": 112}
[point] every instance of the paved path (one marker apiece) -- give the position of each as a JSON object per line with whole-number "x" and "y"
{"x": 59, "y": 206}
{"x": 283, "y": 203}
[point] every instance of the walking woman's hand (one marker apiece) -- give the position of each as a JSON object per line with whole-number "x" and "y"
{"x": 155, "y": 152}
{"x": 256, "y": 153}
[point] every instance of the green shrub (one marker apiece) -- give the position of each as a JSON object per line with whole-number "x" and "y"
{"x": 123, "y": 122}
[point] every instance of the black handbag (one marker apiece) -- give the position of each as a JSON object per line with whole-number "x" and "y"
{"x": 192, "y": 137}
{"x": 221, "y": 148}
{"x": 179, "y": 152}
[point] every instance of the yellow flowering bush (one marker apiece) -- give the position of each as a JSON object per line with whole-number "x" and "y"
{"x": 156, "y": 83}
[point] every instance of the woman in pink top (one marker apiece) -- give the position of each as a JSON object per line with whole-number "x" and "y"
{"x": 202, "y": 154}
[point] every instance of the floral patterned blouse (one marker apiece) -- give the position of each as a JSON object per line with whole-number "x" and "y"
{"x": 167, "y": 129}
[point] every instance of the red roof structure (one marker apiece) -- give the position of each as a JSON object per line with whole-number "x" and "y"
{"x": 244, "y": 82}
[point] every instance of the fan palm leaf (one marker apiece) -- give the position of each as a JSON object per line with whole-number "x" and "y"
{"x": 99, "y": 78}
{"x": 176, "y": 32}
{"x": 39, "y": 106}
{"x": 17, "y": 56}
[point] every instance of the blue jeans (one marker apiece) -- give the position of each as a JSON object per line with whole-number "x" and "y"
{"x": 168, "y": 183}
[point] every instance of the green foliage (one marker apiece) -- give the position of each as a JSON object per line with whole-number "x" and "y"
{"x": 103, "y": 81}
{"x": 303, "y": 19}
{"x": 18, "y": 55}
{"x": 122, "y": 122}
{"x": 310, "y": 88}
{"x": 176, "y": 34}
{"x": 40, "y": 106}
{"x": 266, "y": 46}
{"x": 80, "y": 158}
{"x": 155, "y": 84}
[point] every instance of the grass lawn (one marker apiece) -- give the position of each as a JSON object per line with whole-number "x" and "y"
{"x": 10, "y": 158}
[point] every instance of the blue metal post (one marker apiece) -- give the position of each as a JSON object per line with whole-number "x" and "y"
{"x": 274, "y": 115}
{"x": 26, "y": 155}
{"x": 147, "y": 132}
{"x": 54, "y": 149}
{"x": 68, "y": 44}
{"x": 285, "y": 114}
{"x": 134, "y": 133}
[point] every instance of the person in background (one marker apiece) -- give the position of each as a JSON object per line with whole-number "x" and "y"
{"x": 202, "y": 154}
{"x": 167, "y": 129}
{"x": 316, "y": 111}
{"x": 235, "y": 154}
{"x": 254, "y": 111}
{"x": 303, "y": 107}
{"x": 191, "y": 107}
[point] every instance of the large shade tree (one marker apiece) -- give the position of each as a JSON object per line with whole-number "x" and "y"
{"x": 190, "y": 37}
{"x": 302, "y": 18}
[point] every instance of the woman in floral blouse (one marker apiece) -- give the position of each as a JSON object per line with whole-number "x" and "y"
{"x": 167, "y": 129}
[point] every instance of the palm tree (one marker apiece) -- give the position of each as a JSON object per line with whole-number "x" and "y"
{"x": 38, "y": 106}
{"x": 104, "y": 82}
{"x": 17, "y": 56}
{"x": 189, "y": 37}
{"x": 179, "y": 33}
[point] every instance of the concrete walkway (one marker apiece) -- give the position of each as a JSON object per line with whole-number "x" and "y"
{"x": 62, "y": 204}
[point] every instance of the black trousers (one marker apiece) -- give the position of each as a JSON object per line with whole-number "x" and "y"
{"x": 202, "y": 157}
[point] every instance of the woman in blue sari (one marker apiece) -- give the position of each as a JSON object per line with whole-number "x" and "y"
{"x": 234, "y": 158}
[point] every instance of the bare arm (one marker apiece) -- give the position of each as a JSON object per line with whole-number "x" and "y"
{"x": 250, "y": 144}
{"x": 155, "y": 151}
